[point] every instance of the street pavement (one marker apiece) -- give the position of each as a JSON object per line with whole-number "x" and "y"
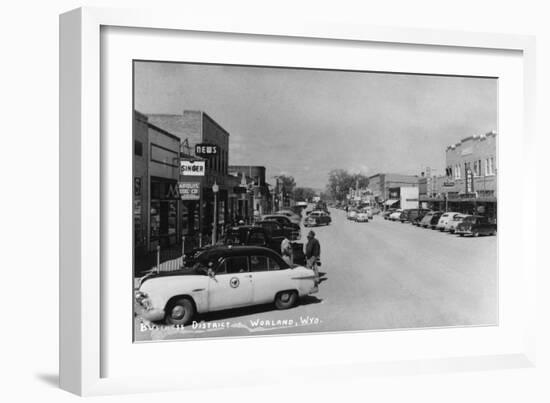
{"x": 380, "y": 275}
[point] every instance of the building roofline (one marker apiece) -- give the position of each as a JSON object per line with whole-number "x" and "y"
{"x": 213, "y": 121}
{"x": 140, "y": 115}
{"x": 472, "y": 137}
{"x": 173, "y": 136}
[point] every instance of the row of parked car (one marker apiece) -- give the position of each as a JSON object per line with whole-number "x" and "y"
{"x": 445, "y": 221}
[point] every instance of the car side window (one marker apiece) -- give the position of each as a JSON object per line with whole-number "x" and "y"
{"x": 236, "y": 264}
{"x": 258, "y": 263}
{"x": 222, "y": 268}
{"x": 257, "y": 238}
{"x": 272, "y": 264}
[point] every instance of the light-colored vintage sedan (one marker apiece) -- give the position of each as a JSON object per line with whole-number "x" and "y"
{"x": 223, "y": 278}
{"x": 443, "y": 223}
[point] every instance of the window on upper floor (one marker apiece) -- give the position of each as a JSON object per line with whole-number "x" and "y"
{"x": 490, "y": 166}
{"x": 138, "y": 148}
{"x": 492, "y": 169}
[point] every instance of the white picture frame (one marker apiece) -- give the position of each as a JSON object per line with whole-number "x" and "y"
{"x": 83, "y": 305}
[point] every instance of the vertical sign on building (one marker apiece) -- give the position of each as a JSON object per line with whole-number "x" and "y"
{"x": 469, "y": 181}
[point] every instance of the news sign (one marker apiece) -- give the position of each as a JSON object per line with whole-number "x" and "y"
{"x": 206, "y": 150}
{"x": 192, "y": 168}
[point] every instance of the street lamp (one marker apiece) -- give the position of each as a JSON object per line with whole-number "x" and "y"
{"x": 215, "y": 189}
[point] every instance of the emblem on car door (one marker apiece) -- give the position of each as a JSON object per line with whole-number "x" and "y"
{"x": 234, "y": 282}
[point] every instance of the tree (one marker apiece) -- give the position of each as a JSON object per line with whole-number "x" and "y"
{"x": 287, "y": 183}
{"x": 340, "y": 181}
{"x": 303, "y": 193}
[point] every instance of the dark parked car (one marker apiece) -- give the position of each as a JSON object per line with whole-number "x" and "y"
{"x": 476, "y": 225}
{"x": 253, "y": 235}
{"x": 409, "y": 215}
{"x": 431, "y": 219}
{"x": 286, "y": 222}
{"x": 418, "y": 219}
{"x": 275, "y": 229}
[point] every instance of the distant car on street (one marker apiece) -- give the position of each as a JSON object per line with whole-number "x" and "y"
{"x": 476, "y": 225}
{"x": 362, "y": 216}
{"x": 386, "y": 214}
{"x": 317, "y": 217}
{"x": 223, "y": 278}
{"x": 445, "y": 219}
{"x": 351, "y": 214}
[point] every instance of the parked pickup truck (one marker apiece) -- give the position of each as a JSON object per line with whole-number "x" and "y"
{"x": 476, "y": 225}
{"x": 252, "y": 235}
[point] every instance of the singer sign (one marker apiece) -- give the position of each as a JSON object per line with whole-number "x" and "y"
{"x": 192, "y": 168}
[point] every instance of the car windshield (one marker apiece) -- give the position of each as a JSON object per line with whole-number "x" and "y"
{"x": 469, "y": 219}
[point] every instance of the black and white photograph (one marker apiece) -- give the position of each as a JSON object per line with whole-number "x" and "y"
{"x": 270, "y": 200}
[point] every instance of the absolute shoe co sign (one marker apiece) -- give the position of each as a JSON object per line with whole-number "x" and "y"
{"x": 192, "y": 168}
{"x": 189, "y": 190}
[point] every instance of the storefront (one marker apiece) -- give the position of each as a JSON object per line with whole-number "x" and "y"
{"x": 163, "y": 216}
{"x": 463, "y": 203}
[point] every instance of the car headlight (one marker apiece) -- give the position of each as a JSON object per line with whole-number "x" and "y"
{"x": 143, "y": 299}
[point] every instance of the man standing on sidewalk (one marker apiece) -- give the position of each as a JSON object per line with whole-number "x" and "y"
{"x": 313, "y": 252}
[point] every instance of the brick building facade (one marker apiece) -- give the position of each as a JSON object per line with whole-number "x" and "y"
{"x": 470, "y": 181}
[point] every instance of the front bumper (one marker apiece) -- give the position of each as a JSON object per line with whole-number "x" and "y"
{"x": 152, "y": 315}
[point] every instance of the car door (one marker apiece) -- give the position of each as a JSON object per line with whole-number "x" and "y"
{"x": 231, "y": 286}
{"x": 269, "y": 276}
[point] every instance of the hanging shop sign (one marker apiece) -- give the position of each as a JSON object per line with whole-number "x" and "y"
{"x": 448, "y": 184}
{"x": 206, "y": 150}
{"x": 189, "y": 190}
{"x": 192, "y": 168}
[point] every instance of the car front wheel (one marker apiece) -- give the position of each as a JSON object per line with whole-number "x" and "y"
{"x": 286, "y": 299}
{"x": 180, "y": 312}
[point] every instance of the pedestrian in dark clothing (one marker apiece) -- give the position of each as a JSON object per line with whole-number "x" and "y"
{"x": 313, "y": 252}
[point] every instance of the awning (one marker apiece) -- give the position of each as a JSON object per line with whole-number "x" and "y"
{"x": 390, "y": 202}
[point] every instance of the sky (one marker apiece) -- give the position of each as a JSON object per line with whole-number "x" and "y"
{"x": 305, "y": 123}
